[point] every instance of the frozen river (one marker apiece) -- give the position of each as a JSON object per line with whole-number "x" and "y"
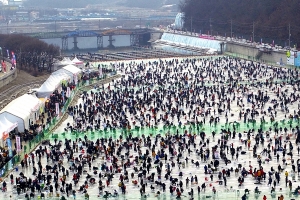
{"x": 245, "y": 85}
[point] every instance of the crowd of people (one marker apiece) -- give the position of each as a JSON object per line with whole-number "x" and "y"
{"x": 206, "y": 93}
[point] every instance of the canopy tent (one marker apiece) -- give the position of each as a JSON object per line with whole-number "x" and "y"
{"x": 51, "y": 84}
{"x": 73, "y": 69}
{"x": 6, "y": 126}
{"x": 78, "y": 63}
{"x": 3, "y": 133}
{"x": 66, "y": 61}
{"x": 63, "y": 72}
{"x": 22, "y": 111}
{"x": 58, "y": 64}
{"x": 48, "y": 87}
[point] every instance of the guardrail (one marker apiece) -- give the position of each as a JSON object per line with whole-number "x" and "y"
{"x": 8, "y": 73}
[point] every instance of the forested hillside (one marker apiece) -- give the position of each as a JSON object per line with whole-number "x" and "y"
{"x": 271, "y": 18}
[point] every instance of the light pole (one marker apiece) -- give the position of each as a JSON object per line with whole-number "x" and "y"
{"x": 231, "y": 29}
{"x": 289, "y": 35}
{"x": 140, "y": 23}
{"x": 191, "y": 25}
{"x": 210, "y": 26}
{"x": 253, "y": 34}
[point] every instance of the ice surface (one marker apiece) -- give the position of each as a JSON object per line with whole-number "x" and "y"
{"x": 226, "y": 67}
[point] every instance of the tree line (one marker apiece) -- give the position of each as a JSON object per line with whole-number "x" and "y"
{"x": 30, "y": 52}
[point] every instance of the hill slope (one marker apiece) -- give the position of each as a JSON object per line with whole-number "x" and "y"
{"x": 271, "y": 18}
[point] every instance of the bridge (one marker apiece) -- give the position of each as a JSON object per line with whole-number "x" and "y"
{"x": 134, "y": 36}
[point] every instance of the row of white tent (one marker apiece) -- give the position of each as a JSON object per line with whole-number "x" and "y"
{"x": 68, "y": 61}
{"x": 26, "y": 109}
{"x": 68, "y": 73}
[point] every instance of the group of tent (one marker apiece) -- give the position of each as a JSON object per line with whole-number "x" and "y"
{"x": 69, "y": 73}
{"x": 67, "y": 61}
{"x": 25, "y": 110}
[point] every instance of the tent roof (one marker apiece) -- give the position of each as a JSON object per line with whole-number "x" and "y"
{"x": 6, "y": 125}
{"x": 76, "y": 61}
{"x": 50, "y": 84}
{"x": 66, "y": 61}
{"x": 63, "y": 72}
{"x": 61, "y": 76}
{"x": 2, "y": 129}
{"x": 47, "y": 86}
{"x": 73, "y": 69}
{"x": 53, "y": 82}
{"x": 22, "y": 106}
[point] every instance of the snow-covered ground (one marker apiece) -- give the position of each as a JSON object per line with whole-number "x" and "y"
{"x": 182, "y": 81}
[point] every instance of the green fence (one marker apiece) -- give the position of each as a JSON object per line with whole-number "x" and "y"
{"x": 190, "y": 128}
{"x": 27, "y": 148}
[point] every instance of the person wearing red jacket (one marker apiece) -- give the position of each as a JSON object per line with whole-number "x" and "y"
{"x": 264, "y": 197}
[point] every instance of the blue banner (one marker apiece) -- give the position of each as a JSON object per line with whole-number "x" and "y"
{"x": 2, "y": 171}
{"x": 297, "y": 59}
{"x": 8, "y": 142}
{"x": 10, "y": 153}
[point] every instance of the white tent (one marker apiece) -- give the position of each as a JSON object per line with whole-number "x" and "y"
{"x": 2, "y": 132}
{"x": 48, "y": 86}
{"x": 46, "y": 89}
{"x": 63, "y": 72}
{"x": 73, "y": 69}
{"x": 51, "y": 84}
{"x": 22, "y": 111}
{"x": 70, "y": 70}
{"x": 78, "y": 63}
{"x": 66, "y": 61}
{"x": 6, "y": 126}
{"x": 58, "y": 64}
{"x": 9, "y": 126}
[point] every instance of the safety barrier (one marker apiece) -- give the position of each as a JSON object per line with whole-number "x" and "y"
{"x": 207, "y": 128}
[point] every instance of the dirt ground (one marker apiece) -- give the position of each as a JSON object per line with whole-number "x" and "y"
{"x": 22, "y": 78}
